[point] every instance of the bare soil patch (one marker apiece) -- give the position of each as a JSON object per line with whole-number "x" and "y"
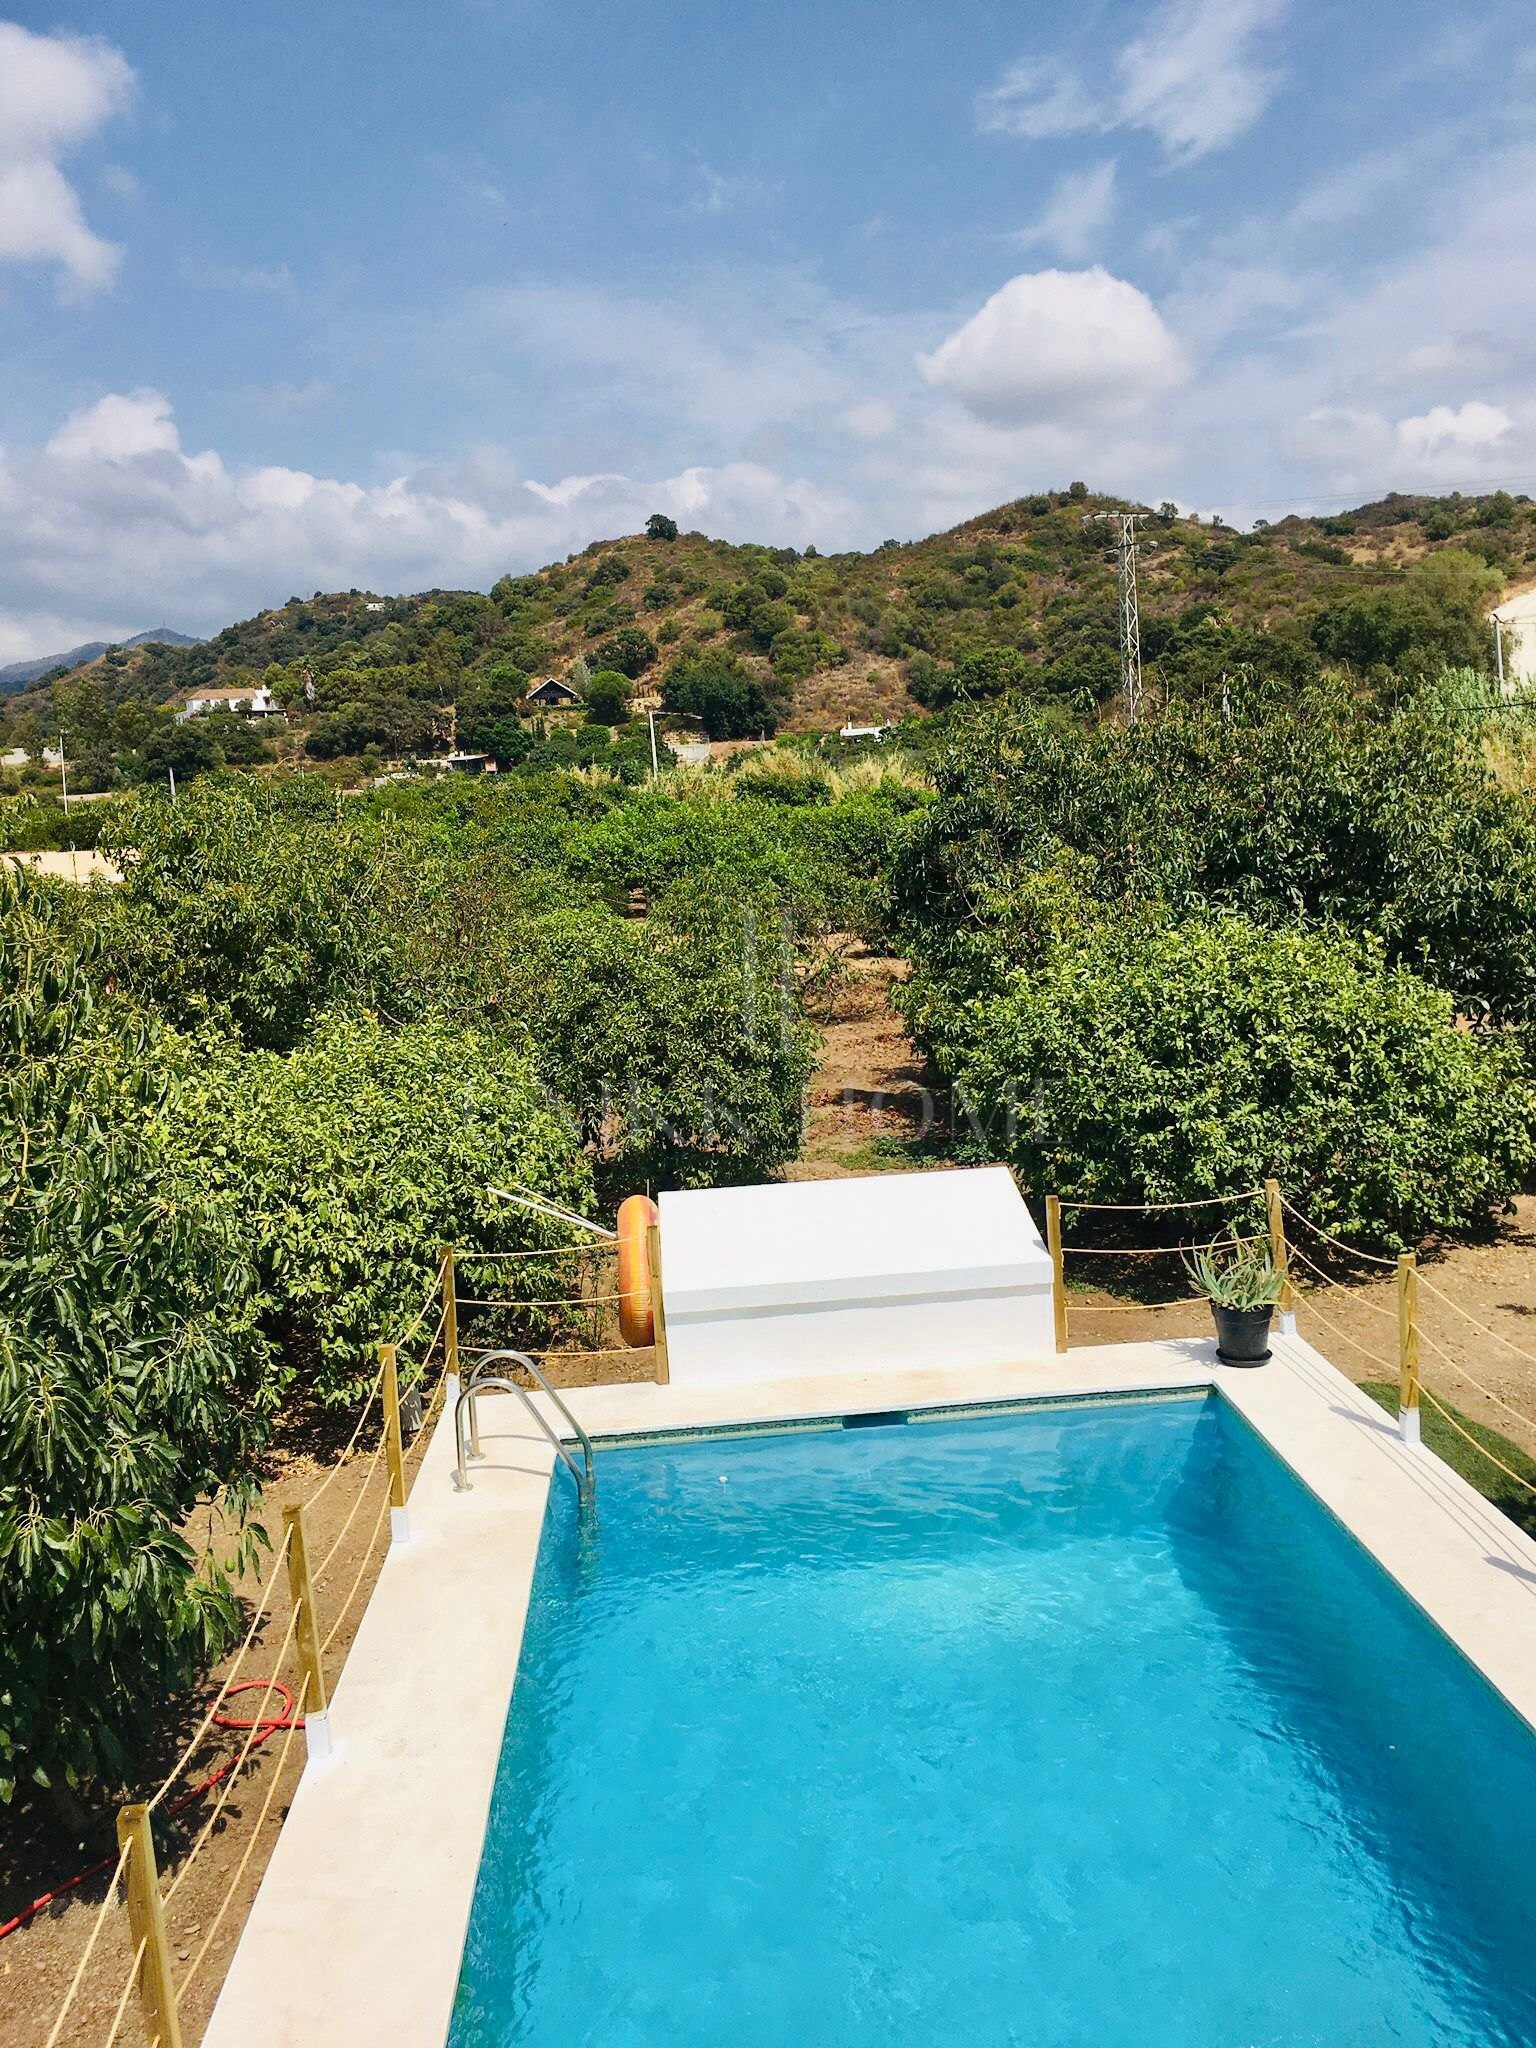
{"x": 873, "y": 1105}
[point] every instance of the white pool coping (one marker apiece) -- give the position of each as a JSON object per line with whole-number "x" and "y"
{"x": 356, "y": 1934}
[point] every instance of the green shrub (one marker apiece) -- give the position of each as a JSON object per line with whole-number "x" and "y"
{"x": 677, "y": 1049}
{"x": 1157, "y": 1061}
{"x": 245, "y": 906}
{"x": 354, "y": 1158}
{"x": 1312, "y": 807}
{"x": 134, "y": 1387}
{"x": 800, "y": 652}
{"x": 728, "y": 700}
{"x": 607, "y": 697}
{"x": 37, "y": 823}
{"x": 631, "y": 651}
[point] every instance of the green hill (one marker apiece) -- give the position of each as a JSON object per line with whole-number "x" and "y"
{"x": 1021, "y": 597}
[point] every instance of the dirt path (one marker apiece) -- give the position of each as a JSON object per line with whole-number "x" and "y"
{"x": 873, "y": 1107}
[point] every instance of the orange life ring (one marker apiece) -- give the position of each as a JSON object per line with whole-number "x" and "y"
{"x": 637, "y": 1314}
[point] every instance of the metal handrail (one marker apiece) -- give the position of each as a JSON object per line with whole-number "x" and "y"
{"x": 482, "y": 1381}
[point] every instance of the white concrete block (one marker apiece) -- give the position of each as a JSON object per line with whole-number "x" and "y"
{"x": 889, "y": 1272}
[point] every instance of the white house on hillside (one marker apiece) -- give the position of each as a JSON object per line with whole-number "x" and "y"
{"x": 251, "y": 703}
{"x": 1515, "y": 621}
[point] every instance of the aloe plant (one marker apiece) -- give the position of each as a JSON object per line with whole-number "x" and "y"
{"x": 1236, "y": 1275}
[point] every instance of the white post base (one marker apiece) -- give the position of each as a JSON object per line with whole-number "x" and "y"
{"x": 317, "y": 1737}
{"x": 399, "y": 1526}
{"x": 1408, "y": 1425}
{"x": 1287, "y": 1322}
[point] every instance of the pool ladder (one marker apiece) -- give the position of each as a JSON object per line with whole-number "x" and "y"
{"x": 482, "y": 1381}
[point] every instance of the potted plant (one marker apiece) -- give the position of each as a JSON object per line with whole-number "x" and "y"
{"x": 1242, "y": 1283}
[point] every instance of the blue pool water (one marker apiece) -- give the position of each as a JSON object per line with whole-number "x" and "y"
{"x": 1084, "y": 1728}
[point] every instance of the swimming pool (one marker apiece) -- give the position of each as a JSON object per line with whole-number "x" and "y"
{"x": 1080, "y": 1728}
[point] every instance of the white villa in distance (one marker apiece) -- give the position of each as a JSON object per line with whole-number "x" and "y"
{"x": 257, "y": 702}
{"x": 1515, "y": 623}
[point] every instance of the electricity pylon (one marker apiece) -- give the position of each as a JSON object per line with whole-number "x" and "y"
{"x": 1130, "y": 617}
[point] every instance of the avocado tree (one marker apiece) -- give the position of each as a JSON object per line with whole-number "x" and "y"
{"x": 352, "y": 1159}
{"x": 133, "y": 1381}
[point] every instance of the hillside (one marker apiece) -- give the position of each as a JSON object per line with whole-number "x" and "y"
{"x": 1022, "y": 596}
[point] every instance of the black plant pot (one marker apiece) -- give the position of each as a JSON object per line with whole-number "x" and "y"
{"x": 1242, "y": 1334}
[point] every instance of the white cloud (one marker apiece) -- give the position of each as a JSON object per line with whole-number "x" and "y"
{"x": 1343, "y": 442}
{"x": 1196, "y": 79}
{"x": 1474, "y": 425}
{"x": 1364, "y": 449}
{"x": 118, "y": 428}
{"x": 1038, "y": 101}
{"x": 727, "y": 191}
{"x": 112, "y": 505}
{"x": 870, "y": 419}
{"x": 283, "y": 399}
{"x": 26, "y": 635}
{"x": 1059, "y": 345}
{"x": 55, "y": 92}
{"x": 275, "y": 281}
{"x": 1081, "y": 204}
{"x": 752, "y": 353}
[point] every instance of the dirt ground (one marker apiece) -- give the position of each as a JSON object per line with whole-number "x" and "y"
{"x": 873, "y": 1108}
{"x": 40, "y": 1849}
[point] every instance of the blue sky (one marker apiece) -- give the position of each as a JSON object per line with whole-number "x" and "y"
{"x": 389, "y": 296}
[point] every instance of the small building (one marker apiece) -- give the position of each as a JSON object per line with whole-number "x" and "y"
{"x": 454, "y": 764}
{"x": 863, "y": 732}
{"x": 552, "y": 695}
{"x": 257, "y": 702}
{"x": 374, "y": 604}
{"x": 1515, "y": 623}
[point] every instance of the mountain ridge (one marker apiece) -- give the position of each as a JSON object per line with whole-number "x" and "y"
{"x": 17, "y": 674}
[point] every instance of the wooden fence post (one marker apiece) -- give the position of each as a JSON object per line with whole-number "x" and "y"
{"x": 1279, "y": 1251}
{"x": 146, "y": 1921}
{"x": 394, "y": 1447}
{"x": 317, "y": 1719}
{"x": 1408, "y": 1347}
{"x": 658, "y": 1307}
{"x": 450, "y": 1316}
{"x": 1058, "y": 1273}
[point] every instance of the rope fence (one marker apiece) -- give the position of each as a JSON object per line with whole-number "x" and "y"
{"x": 1508, "y": 1342}
{"x": 1148, "y": 1208}
{"x": 1296, "y": 1265}
{"x": 299, "y": 1698}
{"x": 287, "y": 1705}
{"x": 1481, "y": 1449}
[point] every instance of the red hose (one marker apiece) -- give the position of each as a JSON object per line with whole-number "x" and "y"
{"x": 264, "y": 1724}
